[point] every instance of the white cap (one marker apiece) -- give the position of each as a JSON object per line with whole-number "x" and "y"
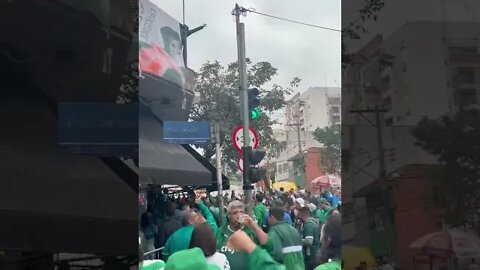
{"x": 312, "y": 207}
{"x": 300, "y": 201}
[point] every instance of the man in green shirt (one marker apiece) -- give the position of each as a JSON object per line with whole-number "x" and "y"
{"x": 259, "y": 211}
{"x": 331, "y": 242}
{"x": 283, "y": 242}
{"x": 180, "y": 240}
{"x": 235, "y": 214}
{"x": 324, "y": 210}
{"x": 310, "y": 237}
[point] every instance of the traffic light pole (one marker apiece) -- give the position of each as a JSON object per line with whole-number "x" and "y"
{"x": 242, "y": 70}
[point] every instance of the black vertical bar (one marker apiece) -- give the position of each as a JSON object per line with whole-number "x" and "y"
{"x": 246, "y": 167}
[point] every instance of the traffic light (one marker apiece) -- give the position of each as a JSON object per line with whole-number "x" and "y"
{"x": 254, "y": 103}
{"x": 256, "y": 173}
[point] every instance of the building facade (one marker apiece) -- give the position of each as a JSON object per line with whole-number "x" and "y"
{"x": 317, "y": 107}
{"x": 298, "y": 154}
{"x": 427, "y": 61}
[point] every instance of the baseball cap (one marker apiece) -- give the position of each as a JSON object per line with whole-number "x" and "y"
{"x": 322, "y": 201}
{"x": 300, "y": 201}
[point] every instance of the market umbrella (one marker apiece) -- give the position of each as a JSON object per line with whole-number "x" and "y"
{"x": 286, "y": 186}
{"x": 455, "y": 243}
{"x": 352, "y": 256}
{"x": 326, "y": 181}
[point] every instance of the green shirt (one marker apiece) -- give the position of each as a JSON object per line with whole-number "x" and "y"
{"x": 238, "y": 260}
{"x": 310, "y": 230}
{"x": 152, "y": 265}
{"x": 334, "y": 265}
{"x": 180, "y": 240}
{"x": 322, "y": 215}
{"x": 260, "y": 260}
{"x": 259, "y": 212}
{"x": 285, "y": 246}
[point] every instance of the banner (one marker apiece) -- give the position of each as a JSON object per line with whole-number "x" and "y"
{"x": 160, "y": 44}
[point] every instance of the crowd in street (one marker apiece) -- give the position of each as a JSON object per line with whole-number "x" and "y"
{"x": 286, "y": 230}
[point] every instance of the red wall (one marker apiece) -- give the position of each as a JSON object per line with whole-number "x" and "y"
{"x": 313, "y": 168}
{"x": 414, "y": 216}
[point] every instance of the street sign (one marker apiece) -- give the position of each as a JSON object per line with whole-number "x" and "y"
{"x": 181, "y": 132}
{"x": 101, "y": 129}
{"x": 240, "y": 164}
{"x": 237, "y": 138}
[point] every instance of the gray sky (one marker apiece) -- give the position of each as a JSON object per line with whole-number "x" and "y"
{"x": 397, "y": 13}
{"x": 296, "y": 50}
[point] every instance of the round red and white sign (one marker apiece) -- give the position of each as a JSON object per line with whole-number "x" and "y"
{"x": 237, "y": 138}
{"x": 240, "y": 164}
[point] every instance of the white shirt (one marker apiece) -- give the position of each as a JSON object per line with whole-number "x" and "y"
{"x": 219, "y": 260}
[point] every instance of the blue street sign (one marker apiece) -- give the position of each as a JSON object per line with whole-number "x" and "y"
{"x": 180, "y": 132}
{"x": 101, "y": 129}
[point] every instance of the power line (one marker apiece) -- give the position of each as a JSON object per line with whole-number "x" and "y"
{"x": 292, "y": 21}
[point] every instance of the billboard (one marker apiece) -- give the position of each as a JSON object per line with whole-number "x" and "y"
{"x": 160, "y": 44}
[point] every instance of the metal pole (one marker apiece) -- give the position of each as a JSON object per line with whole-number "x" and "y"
{"x": 218, "y": 155}
{"x": 300, "y": 153}
{"x": 184, "y": 12}
{"x": 242, "y": 70}
{"x": 383, "y": 178}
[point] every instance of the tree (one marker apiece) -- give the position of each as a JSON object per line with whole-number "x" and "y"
{"x": 218, "y": 87}
{"x": 129, "y": 86}
{"x": 454, "y": 140}
{"x": 331, "y": 138}
{"x": 355, "y": 29}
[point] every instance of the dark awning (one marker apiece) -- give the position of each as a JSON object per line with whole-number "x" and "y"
{"x": 166, "y": 164}
{"x": 50, "y": 201}
{"x": 213, "y": 186}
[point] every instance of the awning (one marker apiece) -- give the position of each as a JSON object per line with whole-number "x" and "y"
{"x": 56, "y": 202}
{"x": 213, "y": 186}
{"x": 166, "y": 164}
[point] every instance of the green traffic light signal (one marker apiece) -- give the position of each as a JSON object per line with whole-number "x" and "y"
{"x": 255, "y": 113}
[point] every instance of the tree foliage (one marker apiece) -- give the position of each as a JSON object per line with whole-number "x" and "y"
{"x": 355, "y": 29}
{"x": 331, "y": 138}
{"x": 454, "y": 140}
{"x": 218, "y": 86}
{"x": 129, "y": 86}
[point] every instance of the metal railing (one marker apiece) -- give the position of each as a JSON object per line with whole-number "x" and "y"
{"x": 155, "y": 254}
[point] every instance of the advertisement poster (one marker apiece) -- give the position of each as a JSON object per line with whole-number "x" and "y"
{"x": 160, "y": 44}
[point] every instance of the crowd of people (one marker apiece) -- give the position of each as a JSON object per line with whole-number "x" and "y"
{"x": 286, "y": 230}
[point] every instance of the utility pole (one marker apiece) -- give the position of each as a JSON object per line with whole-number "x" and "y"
{"x": 242, "y": 70}
{"x": 382, "y": 177}
{"x": 218, "y": 157}
{"x": 300, "y": 151}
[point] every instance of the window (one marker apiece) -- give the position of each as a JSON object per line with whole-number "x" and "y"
{"x": 465, "y": 75}
{"x": 336, "y": 119}
{"x": 379, "y": 219}
{"x": 466, "y": 96}
{"x": 335, "y": 109}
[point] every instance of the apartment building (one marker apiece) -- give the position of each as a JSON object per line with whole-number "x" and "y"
{"x": 317, "y": 107}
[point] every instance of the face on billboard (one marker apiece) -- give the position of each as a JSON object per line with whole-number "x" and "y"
{"x": 175, "y": 47}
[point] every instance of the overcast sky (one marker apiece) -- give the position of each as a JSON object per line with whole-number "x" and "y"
{"x": 296, "y": 50}
{"x": 397, "y": 13}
